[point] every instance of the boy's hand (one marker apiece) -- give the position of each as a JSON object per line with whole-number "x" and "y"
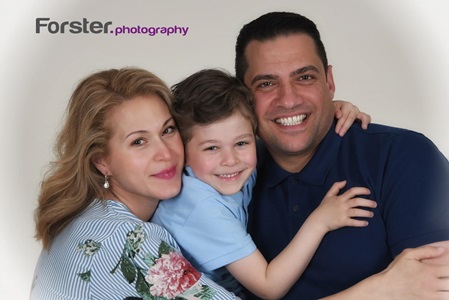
{"x": 336, "y": 211}
{"x": 347, "y": 113}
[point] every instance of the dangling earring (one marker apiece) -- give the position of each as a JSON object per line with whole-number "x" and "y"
{"x": 106, "y": 182}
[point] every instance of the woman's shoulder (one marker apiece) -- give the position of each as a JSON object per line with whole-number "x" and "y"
{"x": 109, "y": 219}
{"x": 107, "y": 249}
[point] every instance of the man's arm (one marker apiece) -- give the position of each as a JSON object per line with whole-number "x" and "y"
{"x": 418, "y": 273}
{"x": 415, "y": 180}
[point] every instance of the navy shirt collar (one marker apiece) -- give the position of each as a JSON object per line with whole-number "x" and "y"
{"x": 316, "y": 170}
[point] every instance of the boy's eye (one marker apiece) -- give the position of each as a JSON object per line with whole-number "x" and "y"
{"x": 241, "y": 143}
{"x": 211, "y": 148}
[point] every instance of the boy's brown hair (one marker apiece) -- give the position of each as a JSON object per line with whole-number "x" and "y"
{"x": 208, "y": 96}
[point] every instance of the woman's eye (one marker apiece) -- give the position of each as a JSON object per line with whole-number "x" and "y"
{"x": 169, "y": 130}
{"x": 138, "y": 142}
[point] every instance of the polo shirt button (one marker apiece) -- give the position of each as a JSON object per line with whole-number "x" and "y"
{"x": 296, "y": 208}
{"x": 295, "y": 181}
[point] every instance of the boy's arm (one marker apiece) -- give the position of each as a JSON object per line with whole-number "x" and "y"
{"x": 273, "y": 280}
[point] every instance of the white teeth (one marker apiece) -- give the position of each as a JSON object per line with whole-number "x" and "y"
{"x": 228, "y": 175}
{"x": 290, "y": 121}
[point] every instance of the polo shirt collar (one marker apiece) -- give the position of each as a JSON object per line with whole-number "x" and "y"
{"x": 316, "y": 170}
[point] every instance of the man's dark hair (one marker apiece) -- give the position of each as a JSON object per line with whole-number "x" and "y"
{"x": 270, "y": 26}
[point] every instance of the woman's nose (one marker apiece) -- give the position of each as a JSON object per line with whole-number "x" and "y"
{"x": 163, "y": 151}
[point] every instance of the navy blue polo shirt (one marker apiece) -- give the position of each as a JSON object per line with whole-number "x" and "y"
{"x": 407, "y": 176}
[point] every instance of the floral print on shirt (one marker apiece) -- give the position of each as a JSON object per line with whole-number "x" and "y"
{"x": 166, "y": 276}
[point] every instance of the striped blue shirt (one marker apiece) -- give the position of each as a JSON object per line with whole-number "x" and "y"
{"x": 108, "y": 253}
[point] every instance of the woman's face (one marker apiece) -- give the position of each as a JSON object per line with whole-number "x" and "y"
{"x": 145, "y": 154}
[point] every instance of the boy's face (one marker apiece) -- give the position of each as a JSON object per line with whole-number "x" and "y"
{"x": 223, "y": 154}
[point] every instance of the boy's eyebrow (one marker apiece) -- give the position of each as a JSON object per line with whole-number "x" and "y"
{"x": 245, "y": 135}
{"x": 208, "y": 141}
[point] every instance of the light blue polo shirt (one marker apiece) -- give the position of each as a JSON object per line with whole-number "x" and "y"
{"x": 209, "y": 227}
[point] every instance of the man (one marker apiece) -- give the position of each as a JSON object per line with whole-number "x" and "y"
{"x": 281, "y": 58}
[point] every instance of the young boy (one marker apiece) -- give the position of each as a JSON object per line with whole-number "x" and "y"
{"x": 215, "y": 114}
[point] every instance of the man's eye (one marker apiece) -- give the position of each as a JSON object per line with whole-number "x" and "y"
{"x": 265, "y": 84}
{"x": 305, "y": 77}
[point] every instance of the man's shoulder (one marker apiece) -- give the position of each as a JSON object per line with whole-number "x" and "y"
{"x": 374, "y": 129}
{"x": 388, "y": 140}
{"x": 385, "y": 133}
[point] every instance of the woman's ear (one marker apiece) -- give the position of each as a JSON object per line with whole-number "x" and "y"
{"x": 101, "y": 165}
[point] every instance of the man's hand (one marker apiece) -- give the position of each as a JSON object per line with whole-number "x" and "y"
{"x": 416, "y": 274}
{"x": 419, "y": 273}
{"x": 442, "y": 259}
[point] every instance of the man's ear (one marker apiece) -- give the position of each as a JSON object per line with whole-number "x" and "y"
{"x": 330, "y": 81}
{"x": 101, "y": 165}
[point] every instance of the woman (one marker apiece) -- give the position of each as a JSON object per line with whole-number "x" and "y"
{"x": 117, "y": 155}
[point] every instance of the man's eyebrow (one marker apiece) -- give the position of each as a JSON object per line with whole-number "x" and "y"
{"x": 263, "y": 77}
{"x": 295, "y": 72}
{"x": 304, "y": 70}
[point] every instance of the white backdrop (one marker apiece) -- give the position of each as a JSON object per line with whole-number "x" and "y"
{"x": 390, "y": 58}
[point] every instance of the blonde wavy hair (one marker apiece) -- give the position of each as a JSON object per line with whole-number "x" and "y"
{"x": 72, "y": 181}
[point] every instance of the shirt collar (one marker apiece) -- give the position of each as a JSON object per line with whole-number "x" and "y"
{"x": 188, "y": 171}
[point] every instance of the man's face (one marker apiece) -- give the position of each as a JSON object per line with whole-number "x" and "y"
{"x": 293, "y": 97}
